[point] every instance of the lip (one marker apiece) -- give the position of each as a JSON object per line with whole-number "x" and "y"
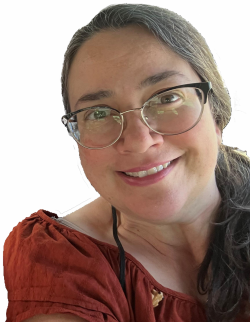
{"x": 147, "y": 167}
{"x": 148, "y": 180}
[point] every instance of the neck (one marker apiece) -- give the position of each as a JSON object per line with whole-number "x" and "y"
{"x": 185, "y": 239}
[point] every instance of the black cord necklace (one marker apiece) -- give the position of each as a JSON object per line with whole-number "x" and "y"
{"x": 121, "y": 250}
{"x": 156, "y": 296}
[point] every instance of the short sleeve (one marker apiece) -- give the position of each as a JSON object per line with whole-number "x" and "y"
{"x": 48, "y": 270}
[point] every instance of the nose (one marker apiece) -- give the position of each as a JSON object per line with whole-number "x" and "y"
{"x": 136, "y": 137}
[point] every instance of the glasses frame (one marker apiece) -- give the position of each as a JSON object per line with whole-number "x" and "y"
{"x": 204, "y": 86}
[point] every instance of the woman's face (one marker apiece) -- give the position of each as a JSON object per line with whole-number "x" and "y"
{"x": 118, "y": 61}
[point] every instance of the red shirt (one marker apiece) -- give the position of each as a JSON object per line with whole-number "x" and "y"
{"x": 50, "y": 268}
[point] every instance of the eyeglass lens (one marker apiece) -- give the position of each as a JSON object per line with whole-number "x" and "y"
{"x": 170, "y": 112}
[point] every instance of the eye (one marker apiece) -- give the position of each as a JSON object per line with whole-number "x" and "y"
{"x": 169, "y": 98}
{"x": 166, "y": 98}
{"x": 97, "y": 114}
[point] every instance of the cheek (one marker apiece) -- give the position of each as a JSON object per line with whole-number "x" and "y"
{"x": 206, "y": 144}
{"x": 200, "y": 144}
{"x": 94, "y": 163}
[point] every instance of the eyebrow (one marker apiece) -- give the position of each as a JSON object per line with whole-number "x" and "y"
{"x": 149, "y": 81}
{"x": 154, "y": 79}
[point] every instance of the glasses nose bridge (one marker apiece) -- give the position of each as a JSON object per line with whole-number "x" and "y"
{"x": 132, "y": 110}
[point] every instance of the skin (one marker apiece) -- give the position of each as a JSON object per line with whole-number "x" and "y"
{"x": 173, "y": 214}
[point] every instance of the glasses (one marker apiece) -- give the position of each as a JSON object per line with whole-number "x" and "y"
{"x": 170, "y": 112}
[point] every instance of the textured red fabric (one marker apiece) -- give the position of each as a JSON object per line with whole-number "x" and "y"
{"x": 50, "y": 268}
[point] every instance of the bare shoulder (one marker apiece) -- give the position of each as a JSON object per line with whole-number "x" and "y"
{"x": 55, "y": 318}
{"x": 95, "y": 219}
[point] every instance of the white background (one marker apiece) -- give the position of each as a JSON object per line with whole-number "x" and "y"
{"x": 40, "y": 167}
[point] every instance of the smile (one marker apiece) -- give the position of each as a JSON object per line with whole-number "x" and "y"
{"x": 150, "y": 176}
{"x": 149, "y": 172}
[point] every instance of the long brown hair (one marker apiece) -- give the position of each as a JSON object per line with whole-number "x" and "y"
{"x": 228, "y": 255}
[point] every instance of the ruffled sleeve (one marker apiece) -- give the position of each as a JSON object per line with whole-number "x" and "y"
{"x": 49, "y": 272}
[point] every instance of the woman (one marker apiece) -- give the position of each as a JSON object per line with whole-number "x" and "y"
{"x": 147, "y": 107}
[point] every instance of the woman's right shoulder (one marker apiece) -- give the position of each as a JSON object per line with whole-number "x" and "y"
{"x": 95, "y": 219}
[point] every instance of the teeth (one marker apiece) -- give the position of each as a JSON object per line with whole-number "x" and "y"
{"x": 154, "y": 170}
{"x": 159, "y": 168}
{"x": 142, "y": 174}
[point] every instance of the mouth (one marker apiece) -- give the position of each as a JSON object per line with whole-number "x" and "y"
{"x": 148, "y": 177}
{"x": 148, "y": 172}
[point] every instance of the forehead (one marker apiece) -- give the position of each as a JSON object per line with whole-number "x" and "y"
{"x": 120, "y": 59}
{"x": 118, "y": 45}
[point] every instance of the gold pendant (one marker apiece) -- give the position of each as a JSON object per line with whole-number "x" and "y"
{"x": 156, "y": 297}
